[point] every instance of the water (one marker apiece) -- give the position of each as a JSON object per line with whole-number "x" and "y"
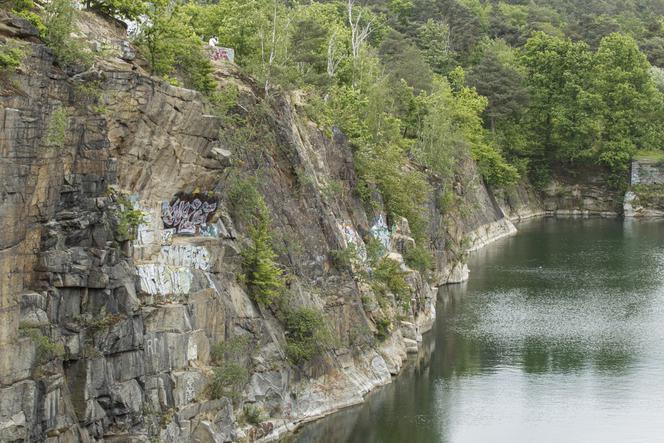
{"x": 557, "y": 337}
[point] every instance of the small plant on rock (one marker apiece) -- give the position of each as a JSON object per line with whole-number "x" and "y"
{"x": 253, "y": 414}
{"x": 45, "y": 348}
{"x": 10, "y": 57}
{"x": 56, "y": 132}
{"x": 307, "y": 334}
{"x": 387, "y": 277}
{"x": 230, "y": 375}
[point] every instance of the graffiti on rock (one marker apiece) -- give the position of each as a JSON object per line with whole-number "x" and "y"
{"x": 222, "y": 54}
{"x": 353, "y": 238}
{"x": 158, "y": 279}
{"x": 186, "y": 256}
{"x": 187, "y": 214}
{"x": 380, "y": 231}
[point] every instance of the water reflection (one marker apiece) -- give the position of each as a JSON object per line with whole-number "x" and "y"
{"x": 557, "y": 337}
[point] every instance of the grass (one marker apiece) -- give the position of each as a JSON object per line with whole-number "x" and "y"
{"x": 649, "y": 155}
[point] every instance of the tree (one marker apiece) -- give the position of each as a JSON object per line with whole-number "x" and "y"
{"x": 404, "y": 61}
{"x": 434, "y": 39}
{"x": 173, "y": 47}
{"x": 128, "y": 9}
{"x": 60, "y": 21}
{"x": 631, "y": 102}
{"x": 263, "y": 275}
{"x": 309, "y": 51}
{"x": 562, "y": 115}
{"x": 502, "y": 85}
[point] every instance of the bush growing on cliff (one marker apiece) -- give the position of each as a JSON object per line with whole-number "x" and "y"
{"x": 387, "y": 276}
{"x": 230, "y": 374}
{"x": 129, "y": 9}
{"x": 307, "y": 334}
{"x": 56, "y": 132}
{"x": 172, "y": 47}
{"x": 419, "y": 258}
{"x": 10, "y": 57}
{"x": 59, "y": 20}
{"x": 25, "y": 9}
{"x": 244, "y": 198}
{"x": 228, "y": 381}
{"x": 45, "y": 348}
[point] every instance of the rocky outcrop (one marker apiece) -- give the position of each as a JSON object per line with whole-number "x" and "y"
{"x": 645, "y": 196}
{"x": 120, "y": 265}
{"x": 590, "y": 197}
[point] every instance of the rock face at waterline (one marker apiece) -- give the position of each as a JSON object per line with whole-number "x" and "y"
{"x": 107, "y": 328}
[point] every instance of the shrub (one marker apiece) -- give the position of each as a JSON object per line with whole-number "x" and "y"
{"x": 418, "y": 258}
{"x": 387, "y": 276}
{"x": 10, "y": 57}
{"x": 45, "y": 348}
{"x": 307, "y": 334}
{"x": 345, "y": 258}
{"x": 244, "y": 198}
{"x": 230, "y": 350}
{"x": 129, "y": 9}
{"x": 56, "y": 132}
{"x": 228, "y": 381}
{"x": 253, "y": 414}
{"x": 59, "y": 21}
{"x": 230, "y": 375}
{"x": 23, "y": 8}
{"x": 171, "y": 46}
{"x": 225, "y": 100}
{"x": 383, "y": 328}
{"x": 34, "y": 19}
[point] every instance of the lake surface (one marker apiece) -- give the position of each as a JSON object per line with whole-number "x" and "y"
{"x": 557, "y": 337}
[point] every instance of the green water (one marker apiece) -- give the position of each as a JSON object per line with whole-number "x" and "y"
{"x": 557, "y": 337}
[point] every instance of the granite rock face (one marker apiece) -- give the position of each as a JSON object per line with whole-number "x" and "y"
{"x": 120, "y": 260}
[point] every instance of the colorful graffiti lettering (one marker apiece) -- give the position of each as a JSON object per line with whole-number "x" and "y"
{"x": 187, "y": 215}
{"x": 222, "y": 54}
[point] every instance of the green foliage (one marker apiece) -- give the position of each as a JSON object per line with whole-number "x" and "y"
{"x": 434, "y": 39}
{"x": 232, "y": 349}
{"x": 25, "y": 9}
{"x": 228, "y": 381}
{"x": 128, "y": 9}
{"x": 244, "y": 198}
{"x": 253, "y": 414}
{"x": 419, "y": 258}
{"x": 387, "y": 276}
{"x": 263, "y": 275}
{"x": 58, "y": 124}
{"x": 172, "y": 47}
{"x": 230, "y": 374}
{"x": 60, "y": 20}
{"x": 45, "y": 348}
{"x": 453, "y": 130}
{"x": 383, "y": 325}
{"x": 128, "y": 219}
{"x": 592, "y": 107}
{"x": 307, "y": 334}
{"x": 10, "y": 57}
{"x": 651, "y": 195}
{"x": 225, "y": 99}
{"x": 345, "y": 258}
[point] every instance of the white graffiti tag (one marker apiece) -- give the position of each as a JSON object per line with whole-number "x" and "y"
{"x": 380, "y": 231}
{"x": 186, "y": 216}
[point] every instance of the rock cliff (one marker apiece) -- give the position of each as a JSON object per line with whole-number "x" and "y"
{"x": 121, "y": 202}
